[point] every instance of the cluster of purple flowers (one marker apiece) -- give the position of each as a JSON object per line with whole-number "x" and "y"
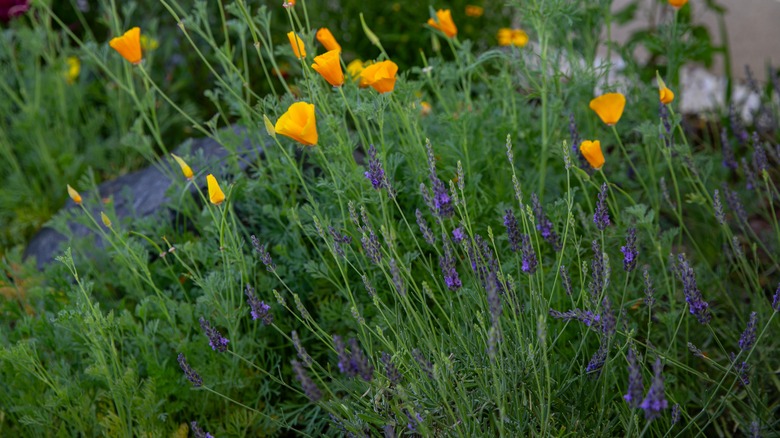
{"x": 544, "y": 225}
{"x": 339, "y": 239}
{"x": 529, "y": 262}
{"x": 309, "y": 387}
{"x": 257, "y": 308}
{"x": 189, "y": 373}
{"x": 512, "y": 230}
{"x": 440, "y": 204}
{"x": 590, "y": 319}
{"x": 355, "y": 362}
{"x": 629, "y": 251}
{"x": 375, "y": 172}
{"x": 265, "y": 256}
{"x": 601, "y": 215}
{"x": 447, "y": 265}
{"x": 696, "y": 304}
{"x": 217, "y": 342}
{"x": 596, "y": 285}
{"x": 655, "y": 400}
{"x": 425, "y": 364}
{"x": 398, "y": 281}
{"x": 302, "y": 353}
{"x": 635, "y": 385}
{"x": 391, "y": 371}
{"x": 198, "y": 432}
{"x": 424, "y": 229}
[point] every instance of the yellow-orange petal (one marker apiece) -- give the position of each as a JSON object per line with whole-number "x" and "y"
{"x": 297, "y": 45}
{"x": 327, "y": 39}
{"x": 380, "y": 76}
{"x": 519, "y": 38}
{"x": 328, "y": 65}
{"x": 129, "y": 45}
{"x": 74, "y": 195}
{"x": 666, "y": 95}
{"x": 504, "y": 36}
{"x": 591, "y": 150}
{"x": 444, "y": 23}
{"x": 74, "y": 69}
{"x": 185, "y": 169}
{"x": 677, "y": 3}
{"x": 609, "y": 107}
{"x": 299, "y": 123}
{"x": 216, "y": 196}
{"x": 355, "y": 67}
{"x": 474, "y": 11}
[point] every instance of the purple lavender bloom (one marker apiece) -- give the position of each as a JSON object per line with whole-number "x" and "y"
{"x": 217, "y": 342}
{"x": 649, "y": 289}
{"x": 442, "y": 203}
{"x": 601, "y": 216}
{"x": 608, "y": 322}
{"x": 629, "y": 251}
{"x": 371, "y": 246}
{"x": 742, "y": 370}
{"x": 398, "y": 281}
{"x": 391, "y": 371}
{"x": 776, "y": 299}
{"x": 389, "y": 431}
{"x": 458, "y": 235}
{"x": 197, "y": 432}
{"x": 413, "y": 420}
{"x": 597, "y": 360}
{"x": 635, "y": 385}
{"x": 257, "y": 308}
{"x": 339, "y": 239}
{"x": 755, "y": 429}
{"x": 729, "y": 160}
{"x": 750, "y": 177}
{"x": 590, "y": 319}
{"x": 696, "y": 304}
{"x": 359, "y": 362}
{"x": 675, "y": 414}
{"x": 309, "y": 387}
{"x": 344, "y": 364}
{"x": 544, "y": 225}
{"x": 189, "y": 373}
{"x": 696, "y": 351}
{"x": 424, "y": 363}
{"x": 529, "y": 262}
{"x": 597, "y": 271}
{"x": 424, "y": 229}
{"x": 369, "y": 287}
{"x": 748, "y": 337}
{"x": 735, "y": 204}
{"x": 760, "y": 160}
{"x": 512, "y": 230}
{"x": 494, "y": 302}
{"x": 566, "y": 280}
{"x": 718, "y": 205}
{"x": 737, "y": 128}
{"x": 265, "y": 256}
{"x": 302, "y": 353}
{"x": 375, "y": 173}
{"x": 447, "y": 265}
{"x": 655, "y": 401}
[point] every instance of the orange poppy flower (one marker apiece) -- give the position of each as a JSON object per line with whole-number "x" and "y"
{"x": 74, "y": 195}
{"x": 379, "y": 76}
{"x": 129, "y": 45}
{"x": 677, "y": 4}
{"x": 185, "y": 169}
{"x": 514, "y": 37}
{"x": 216, "y": 196}
{"x": 299, "y": 124}
{"x": 297, "y": 45}
{"x": 444, "y": 23}
{"x": 591, "y": 150}
{"x": 609, "y": 107}
{"x": 666, "y": 95}
{"x": 329, "y": 66}
{"x": 327, "y": 40}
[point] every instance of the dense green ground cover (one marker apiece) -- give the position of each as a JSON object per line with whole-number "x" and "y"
{"x": 442, "y": 261}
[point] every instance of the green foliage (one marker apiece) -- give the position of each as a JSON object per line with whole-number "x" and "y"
{"x": 356, "y": 289}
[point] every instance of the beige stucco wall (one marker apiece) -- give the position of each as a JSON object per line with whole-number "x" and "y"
{"x": 753, "y": 27}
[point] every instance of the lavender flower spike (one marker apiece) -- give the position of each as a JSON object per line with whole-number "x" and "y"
{"x": 776, "y": 299}
{"x": 391, "y": 371}
{"x": 217, "y": 342}
{"x": 309, "y": 387}
{"x": 529, "y": 256}
{"x": 543, "y": 224}
{"x": 375, "y": 173}
{"x": 601, "y": 216}
{"x": 198, "y": 432}
{"x": 265, "y": 256}
{"x": 512, "y": 230}
{"x": 748, "y": 337}
{"x": 424, "y": 229}
{"x": 189, "y": 373}
{"x": 697, "y": 306}
{"x": 635, "y": 385}
{"x": 655, "y": 401}
{"x": 629, "y": 251}
{"x": 447, "y": 265}
{"x": 257, "y": 308}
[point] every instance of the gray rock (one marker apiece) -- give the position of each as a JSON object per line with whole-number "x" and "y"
{"x": 142, "y": 193}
